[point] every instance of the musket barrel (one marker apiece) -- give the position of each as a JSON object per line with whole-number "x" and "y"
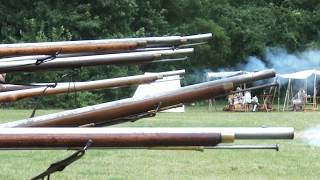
{"x": 60, "y": 88}
{"x": 126, "y": 107}
{"x": 105, "y": 137}
{"x": 73, "y": 62}
{"x": 262, "y": 133}
{"x": 255, "y": 76}
{"x": 104, "y": 45}
{"x": 10, "y": 93}
{"x": 258, "y": 133}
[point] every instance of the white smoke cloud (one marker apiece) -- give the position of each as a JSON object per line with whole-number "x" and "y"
{"x": 312, "y": 136}
{"x": 283, "y": 62}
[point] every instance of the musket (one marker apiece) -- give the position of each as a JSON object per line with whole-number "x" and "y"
{"x": 82, "y": 139}
{"x": 60, "y": 88}
{"x": 131, "y": 106}
{"x": 50, "y": 48}
{"x": 66, "y": 138}
{"x": 16, "y": 87}
{"x": 107, "y": 59}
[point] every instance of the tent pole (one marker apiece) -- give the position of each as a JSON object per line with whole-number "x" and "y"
{"x": 290, "y": 95}
{"x": 279, "y": 95}
{"x": 315, "y": 91}
{"x": 286, "y": 97}
{"x": 274, "y": 94}
{"x": 306, "y": 86}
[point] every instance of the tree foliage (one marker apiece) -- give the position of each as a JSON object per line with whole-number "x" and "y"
{"x": 241, "y": 28}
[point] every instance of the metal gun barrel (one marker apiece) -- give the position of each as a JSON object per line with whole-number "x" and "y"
{"x": 259, "y": 133}
{"x": 74, "y": 62}
{"x": 131, "y": 106}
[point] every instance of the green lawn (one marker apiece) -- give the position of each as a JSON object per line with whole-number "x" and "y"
{"x": 295, "y": 160}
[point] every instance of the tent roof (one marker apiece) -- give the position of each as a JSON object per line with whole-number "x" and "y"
{"x": 299, "y": 75}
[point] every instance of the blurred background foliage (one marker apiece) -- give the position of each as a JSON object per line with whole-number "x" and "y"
{"x": 241, "y": 28}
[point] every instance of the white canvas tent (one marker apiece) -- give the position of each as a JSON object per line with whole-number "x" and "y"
{"x": 166, "y": 84}
{"x": 301, "y": 75}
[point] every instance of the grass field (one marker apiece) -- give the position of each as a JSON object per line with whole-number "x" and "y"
{"x": 295, "y": 160}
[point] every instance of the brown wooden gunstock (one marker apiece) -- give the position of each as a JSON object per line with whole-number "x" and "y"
{"x": 69, "y": 48}
{"x": 38, "y": 138}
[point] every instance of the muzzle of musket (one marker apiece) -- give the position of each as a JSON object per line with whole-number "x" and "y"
{"x": 249, "y": 133}
{"x": 132, "y": 106}
{"x": 106, "y": 59}
{"x": 125, "y": 138}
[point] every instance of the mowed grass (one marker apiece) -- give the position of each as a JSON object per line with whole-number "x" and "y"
{"x": 295, "y": 160}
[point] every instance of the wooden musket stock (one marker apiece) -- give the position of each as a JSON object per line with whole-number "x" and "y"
{"x": 105, "y": 137}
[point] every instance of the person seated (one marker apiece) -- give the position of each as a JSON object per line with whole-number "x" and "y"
{"x": 231, "y": 99}
{"x": 238, "y": 97}
{"x": 247, "y": 97}
{"x": 255, "y": 103}
{"x": 299, "y": 100}
{"x": 247, "y": 101}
